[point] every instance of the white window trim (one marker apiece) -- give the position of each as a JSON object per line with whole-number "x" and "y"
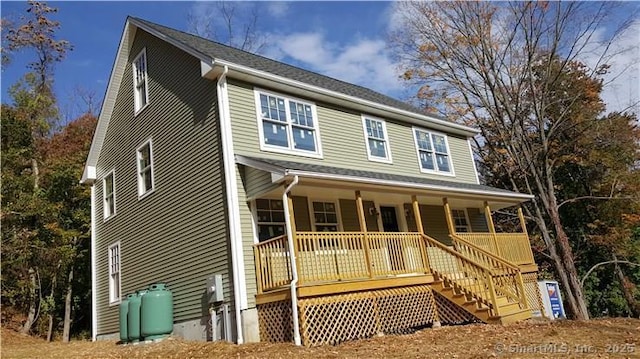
{"x": 446, "y": 142}
{"x": 141, "y": 193}
{"x": 466, "y": 216}
{"x": 387, "y": 140}
{"x": 290, "y": 150}
{"x": 104, "y": 195}
{"x": 258, "y": 223}
{"x": 312, "y": 213}
{"x": 112, "y": 299}
{"x": 136, "y": 106}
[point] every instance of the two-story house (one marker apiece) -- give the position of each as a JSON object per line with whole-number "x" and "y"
{"x": 331, "y": 211}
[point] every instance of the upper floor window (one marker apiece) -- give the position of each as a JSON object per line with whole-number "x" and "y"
{"x": 325, "y": 216}
{"x": 270, "y": 218}
{"x": 145, "y": 169}
{"x": 287, "y": 125}
{"x": 140, "y": 83}
{"x": 375, "y": 132}
{"x": 114, "y": 272}
{"x": 109, "y": 194}
{"x": 460, "y": 220}
{"x": 433, "y": 152}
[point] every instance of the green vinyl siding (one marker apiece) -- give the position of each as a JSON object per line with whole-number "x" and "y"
{"x": 342, "y": 138}
{"x": 349, "y": 216}
{"x": 177, "y": 234}
{"x": 256, "y": 182}
{"x": 434, "y": 222}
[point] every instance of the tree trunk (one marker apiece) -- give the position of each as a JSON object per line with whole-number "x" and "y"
{"x": 577, "y": 304}
{"x": 36, "y": 173}
{"x": 50, "y": 329}
{"x": 31, "y": 316}
{"x": 627, "y": 291}
{"x": 67, "y": 308}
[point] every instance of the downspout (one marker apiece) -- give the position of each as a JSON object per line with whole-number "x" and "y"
{"x": 292, "y": 258}
{"x": 222, "y": 110}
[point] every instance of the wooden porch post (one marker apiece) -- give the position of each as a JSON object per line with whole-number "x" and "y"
{"x": 363, "y": 228}
{"x": 416, "y": 213}
{"x": 296, "y": 245}
{"x": 492, "y": 228}
{"x": 447, "y": 214}
{"x": 523, "y": 224}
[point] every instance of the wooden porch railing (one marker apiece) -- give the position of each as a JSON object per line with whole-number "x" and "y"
{"x": 325, "y": 257}
{"x": 273, "y": 265}
{"x": 340, "y": 256}
{"x": 514, "y": 247}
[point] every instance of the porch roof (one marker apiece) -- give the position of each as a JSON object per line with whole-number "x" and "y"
{"x": 306, "y": 170}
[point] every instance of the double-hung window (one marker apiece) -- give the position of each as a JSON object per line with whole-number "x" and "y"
{"x": 287, "y": 125}
{"x": 375, "y": 132}
{"x": 270, "y": 218}
{"x": 145, "y": 169}
{"x": 460, "y": 220}
{"x": 433, "y": 152}
{"x": 114, "y": 272}
{"x": 325, "y": 216}
{"x": 109, "y": 194}
{"x": 140, "y": 83}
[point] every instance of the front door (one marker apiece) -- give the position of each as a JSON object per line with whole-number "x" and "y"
{"x": 389, "y": 219}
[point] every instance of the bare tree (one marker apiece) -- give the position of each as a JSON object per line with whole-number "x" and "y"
{"x": 502, "y": 67}
{"x": 228, "y": 22}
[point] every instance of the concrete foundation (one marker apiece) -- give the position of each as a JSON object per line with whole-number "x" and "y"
{"x": 250, "y": 329}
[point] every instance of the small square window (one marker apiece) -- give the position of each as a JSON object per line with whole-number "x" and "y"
{"x": 271, "y": 221}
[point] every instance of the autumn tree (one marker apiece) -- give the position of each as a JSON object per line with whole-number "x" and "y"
{"x": 26, "y": 212}
{"x": 505, "y": 68}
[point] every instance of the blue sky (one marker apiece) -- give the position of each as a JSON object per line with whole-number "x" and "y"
{"x": 345, "y": 40}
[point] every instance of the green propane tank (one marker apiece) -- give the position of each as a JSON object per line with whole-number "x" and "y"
{"x": 133, "y": 319}
{"x": 124, "y": 312}
{"x": 157, "y": 312}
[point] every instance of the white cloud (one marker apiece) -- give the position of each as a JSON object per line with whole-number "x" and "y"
{"x": 364, "y": 62}
{"x": 277, "y": 9}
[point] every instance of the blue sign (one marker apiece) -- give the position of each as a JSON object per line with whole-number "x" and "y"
{"x": 553, "y": 290}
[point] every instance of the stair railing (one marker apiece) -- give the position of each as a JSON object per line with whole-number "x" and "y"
{"x": 507, "y": 275}
{"x": 463, "y": 274}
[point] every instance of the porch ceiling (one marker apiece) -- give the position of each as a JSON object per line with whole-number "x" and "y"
{"x": 383, "y": 184}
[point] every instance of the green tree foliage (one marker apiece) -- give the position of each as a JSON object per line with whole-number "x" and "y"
{"x": 45, "y": 212}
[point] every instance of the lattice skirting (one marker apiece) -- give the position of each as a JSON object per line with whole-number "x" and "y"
{"x": 450, "y": 313}
{"x": 338, "y": 318}
{"x": 275, "y": 322}
{"x": 532, "y": 291}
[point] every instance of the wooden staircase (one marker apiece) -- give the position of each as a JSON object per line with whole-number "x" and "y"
{"x": 486, "y": 286}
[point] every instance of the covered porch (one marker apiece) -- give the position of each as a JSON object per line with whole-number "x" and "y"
{"x": 341, "y": 238}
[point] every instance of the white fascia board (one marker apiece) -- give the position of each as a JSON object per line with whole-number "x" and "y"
{"x": 403, "y": 115}
{"x": 109, "y": 101}
{"x": 520, "y": 197}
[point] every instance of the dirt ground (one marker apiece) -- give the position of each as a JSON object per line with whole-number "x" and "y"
{"x": 601, "y": 338}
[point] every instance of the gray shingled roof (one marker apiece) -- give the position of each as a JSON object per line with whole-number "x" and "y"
{"x": 219, "y": 51}
{"x": 289, "y": 165}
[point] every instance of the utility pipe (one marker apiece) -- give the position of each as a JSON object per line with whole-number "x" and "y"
{"x": 292, "y": 258}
